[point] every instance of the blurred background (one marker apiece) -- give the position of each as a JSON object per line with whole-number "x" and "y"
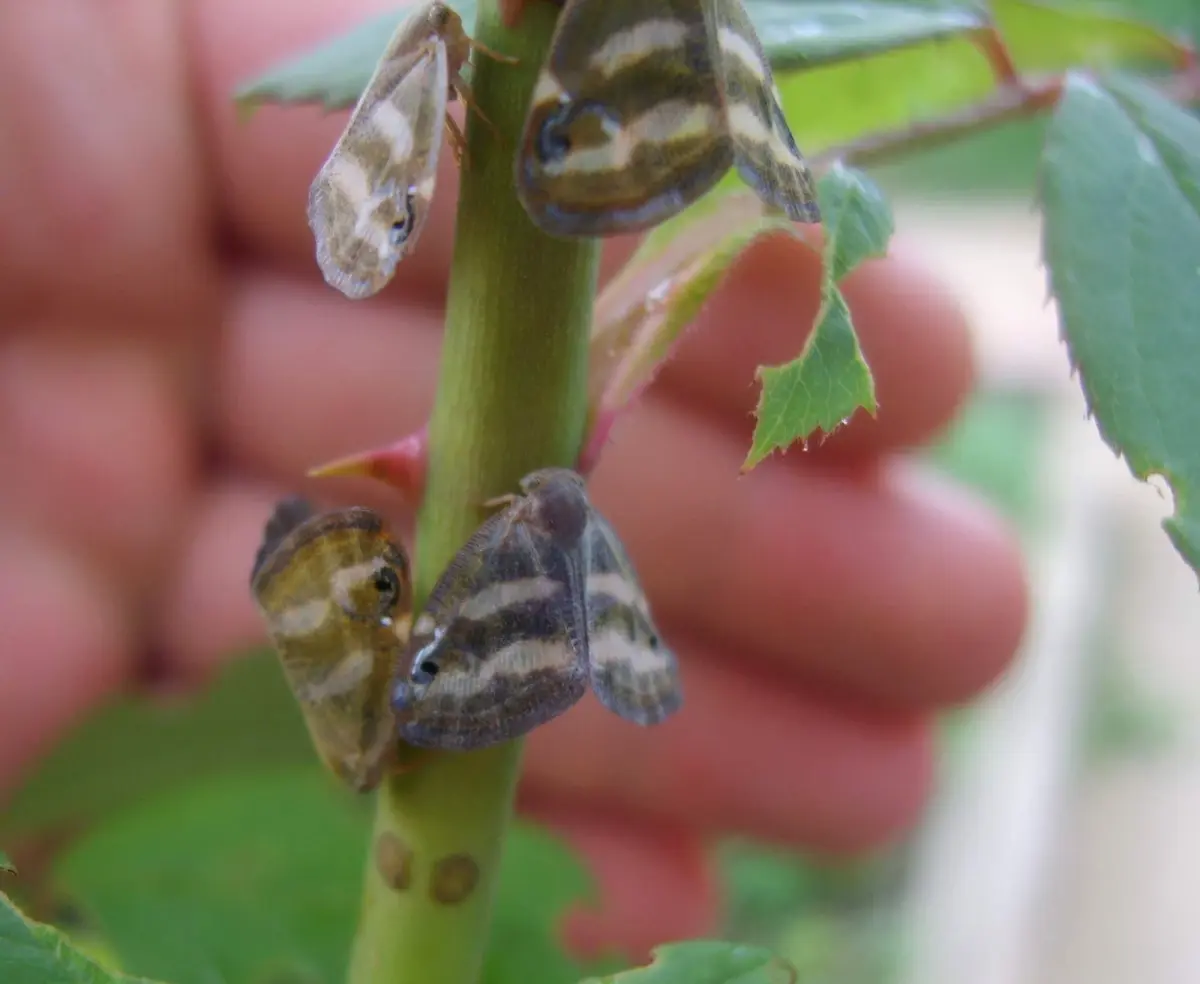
{"x": 1064, "y": 841}
{"x": 1063, "y": 844}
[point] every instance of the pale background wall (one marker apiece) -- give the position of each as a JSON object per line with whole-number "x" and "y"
{"x": 1034, "y": 871}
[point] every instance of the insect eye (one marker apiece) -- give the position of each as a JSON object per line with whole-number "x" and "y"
{"x": 401, "y": 227}
{"x": 553, "y": 143}
{"x": 424, "y": 672}
{"x": 387, "y": 583}
{"x": 652, "y": 641}
{"x": 587, "y": 117}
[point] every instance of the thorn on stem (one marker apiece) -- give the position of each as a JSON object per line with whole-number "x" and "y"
{"x": 401, "y": 465}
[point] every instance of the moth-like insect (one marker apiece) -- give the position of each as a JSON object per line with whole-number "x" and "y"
{"x": 540, "y": 602}
{"x": 336, "y": 594}
{"x": 369, "y": 201}
{"x": 642, "y": 106}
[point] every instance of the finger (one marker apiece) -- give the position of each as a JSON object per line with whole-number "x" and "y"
{"x": 889, "y": 584}
{"x": 301, "y": 380}
{"x": 748, "y": 754}
{"x": 95, "y": 447}
{"x": 64, "y": 639}
{"x": 99, "y": 208}
{"x": 207, "y": 613}
{"x": 655, "y": 881}
{"x": 263, "y": 167}
{"x": 284, "y": 405}
{"x": 913, "y": 336}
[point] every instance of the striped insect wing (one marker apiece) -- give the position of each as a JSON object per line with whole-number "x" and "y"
{"x": 626, "y": 126}
{"x": 498, "y": 648}
{"x": 632, "y": 672}
{"x": 765, "y": 152}
{"x": 288, "y": 514}
{"x": 369, "y": 201}
{"x": 335, "y": 594}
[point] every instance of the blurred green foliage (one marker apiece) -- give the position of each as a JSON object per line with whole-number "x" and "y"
{"x": 1003, "y": 162}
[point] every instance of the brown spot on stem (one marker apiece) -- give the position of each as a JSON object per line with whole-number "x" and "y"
{"x": 454, "y": 878}
{"x": 393, "y": 859}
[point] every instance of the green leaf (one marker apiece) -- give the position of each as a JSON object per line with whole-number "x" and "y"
{"x": 706, "y": 962}
{"x": 859, "y": 222}
{"x": 1049, "y": 37}
{"x": 858, "y": 87}
{"x": 995, "y": 447}
{"x": 335, "y": 72}
{"x": 642, "y": 313}
{"x": 540, "y": 878}
{"x": 766, "y": 884}
{"x": 800, "y": 34}
{"x": 31, "y": 953}
{"x": 830, "y": 380}
{"x": 1043, "y": 38}
{"x": 332, "y": 73}
{"x": 236, "y": 880}
{"x": 867, "y": 946}
{"x": 246, "y": 719}
{"x": 256, "y": 879}
{"x": 1121, "y": 197}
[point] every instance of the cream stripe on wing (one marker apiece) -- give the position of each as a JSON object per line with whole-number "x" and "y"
{"x": 424, "y": 625}
{"x": 666, "y": 123}
{"x": 737, "y": 46}
{"x": 747, "y": 125}
{"x": 548, "y": 89}
{"x": 302, "y": 619}
{"x": 343, "y": 171}
{"x": 517, "y": 659}
{"x": 349, "y": 671}
{"x": 345, "y": 579}
{"x": 610, "y": 647}
{"x": 630, "y": 46}
{"x": 506, "y": 594}
{"x": 393, "y": 126}
{"x": 618, "y": 587}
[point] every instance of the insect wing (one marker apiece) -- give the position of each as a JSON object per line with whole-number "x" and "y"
{"x": 288, "y": 514}
{"x": 765, "y": 152}
{"x": 504, "y": 630}
{"x": 335, "y": 594}
{"x": 632, "y": 673}
{"x": 368, "y": 203}
{"x": 626, "y": 127}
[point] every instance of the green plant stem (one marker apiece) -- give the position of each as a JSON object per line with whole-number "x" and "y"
{"x": 511, "y": 398}
{"x": 1021, "y": 99}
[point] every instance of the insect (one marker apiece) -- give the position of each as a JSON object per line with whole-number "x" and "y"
{"x": 540, "y": 602}
{"x": 336, "y": 595}
{"x": 644, "y": 105}
{"x": 369, "y": 201}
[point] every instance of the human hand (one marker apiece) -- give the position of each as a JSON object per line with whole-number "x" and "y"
{"x": 171, "y": 363}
